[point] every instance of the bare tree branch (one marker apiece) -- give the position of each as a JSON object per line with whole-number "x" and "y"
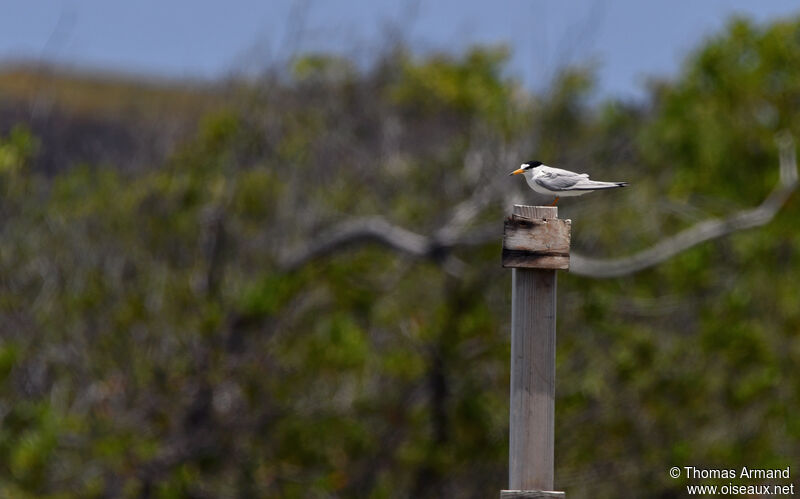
{"x": 378, "y": 230}
{"x": 359, "y": 231}
{"x": 703, "y": 231}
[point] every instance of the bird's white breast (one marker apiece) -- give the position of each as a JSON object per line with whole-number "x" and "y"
{"x": 529, "y": 178}
{"x": 531, "y": 174}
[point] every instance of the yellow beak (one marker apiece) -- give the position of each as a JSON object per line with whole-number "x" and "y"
{"x": 518, "y": 171}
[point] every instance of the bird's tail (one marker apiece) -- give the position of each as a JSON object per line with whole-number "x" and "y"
{"x": 597, "y": 185}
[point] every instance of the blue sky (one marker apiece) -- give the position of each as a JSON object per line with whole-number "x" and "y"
{"x": 626, "y": 40}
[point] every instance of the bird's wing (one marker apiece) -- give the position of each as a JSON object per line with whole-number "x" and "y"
{"x": 561, "y": 171}
{"x": 560, "y": 180}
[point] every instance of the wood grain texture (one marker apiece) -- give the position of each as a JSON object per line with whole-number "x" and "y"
{"x": 533, "y": 353}
{"x": 537, "y": 235}
{"x": 531, "y": 494}
{"x": 531, "y": 241}
{"x": 525, "y": 260}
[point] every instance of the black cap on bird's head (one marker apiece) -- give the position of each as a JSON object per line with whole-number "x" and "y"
{"x": 526, "y": 166}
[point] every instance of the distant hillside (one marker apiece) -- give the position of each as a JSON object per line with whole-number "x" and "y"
{"x": 85, "y": 117}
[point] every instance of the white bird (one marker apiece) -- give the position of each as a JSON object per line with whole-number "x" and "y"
{"x": 560, "y": 183}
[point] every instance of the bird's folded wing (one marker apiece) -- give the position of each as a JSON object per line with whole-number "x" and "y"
{"x": 561, "y": 181}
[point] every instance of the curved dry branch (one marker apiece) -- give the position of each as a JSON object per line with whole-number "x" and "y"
{"x": 359, "y": 231}
{"x": 378, "y": 230}
{"x": 701, "y": 232}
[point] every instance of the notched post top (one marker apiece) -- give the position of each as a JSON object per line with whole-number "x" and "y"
{"x": 536, "y": 243}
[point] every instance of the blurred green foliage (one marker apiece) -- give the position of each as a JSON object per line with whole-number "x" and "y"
{"x": 152, "y": 344}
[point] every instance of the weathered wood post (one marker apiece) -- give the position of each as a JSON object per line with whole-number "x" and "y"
{"x": 535, "y": 244}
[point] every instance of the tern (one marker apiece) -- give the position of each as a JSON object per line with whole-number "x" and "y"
{"x": 560, "y": 183}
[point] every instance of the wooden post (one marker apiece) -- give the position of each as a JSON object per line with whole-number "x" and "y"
{"x": 535, "y": 243}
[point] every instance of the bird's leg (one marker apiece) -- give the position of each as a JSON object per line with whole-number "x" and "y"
{"x": 555, "y": 201}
